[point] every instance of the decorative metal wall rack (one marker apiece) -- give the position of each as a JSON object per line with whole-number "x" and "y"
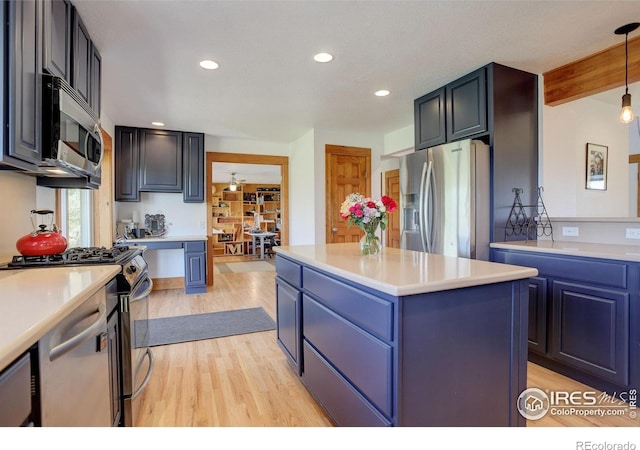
{"x": 530, "y": 221}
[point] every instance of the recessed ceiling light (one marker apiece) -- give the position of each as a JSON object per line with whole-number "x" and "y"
{"x": 323, "y": 57}
{"x": 158, "y": 124}
{"x": 382, "y": 93}
{"x": 209, "y": 64}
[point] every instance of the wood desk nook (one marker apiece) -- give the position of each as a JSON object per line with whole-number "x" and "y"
{"x": 404, "y": 338}
{"x": 195, "y": 257}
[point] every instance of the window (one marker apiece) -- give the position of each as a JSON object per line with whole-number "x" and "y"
{"x": 76, "y": 213}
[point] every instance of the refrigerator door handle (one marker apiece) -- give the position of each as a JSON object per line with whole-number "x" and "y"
{"x": 427, "y": 211}
{"x": 423, "y": 207}
{"x": 433, "y": 219}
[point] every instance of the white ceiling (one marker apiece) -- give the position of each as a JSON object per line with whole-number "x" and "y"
{"x": 269, "y": 88}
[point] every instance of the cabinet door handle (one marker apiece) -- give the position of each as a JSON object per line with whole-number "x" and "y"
{"x": 334, "y": 229}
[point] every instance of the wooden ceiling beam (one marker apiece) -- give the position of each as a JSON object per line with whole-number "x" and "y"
{"x": 593, "y": 74}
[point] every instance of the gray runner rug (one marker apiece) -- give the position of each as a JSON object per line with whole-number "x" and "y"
{"x": 195, "y": 327}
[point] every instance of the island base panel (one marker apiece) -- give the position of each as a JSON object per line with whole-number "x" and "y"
{"x": 464, "y": 357}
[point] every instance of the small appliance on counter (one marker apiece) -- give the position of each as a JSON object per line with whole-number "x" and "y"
{"x": 42, "y": 241}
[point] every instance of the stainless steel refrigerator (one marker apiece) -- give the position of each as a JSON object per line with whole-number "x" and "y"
{"x": 445, "y": 200}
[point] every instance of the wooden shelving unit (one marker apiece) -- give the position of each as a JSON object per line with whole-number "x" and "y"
{"x": 233, "y": 212}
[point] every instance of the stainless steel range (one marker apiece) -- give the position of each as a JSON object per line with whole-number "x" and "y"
{"x": 131, "y": 299}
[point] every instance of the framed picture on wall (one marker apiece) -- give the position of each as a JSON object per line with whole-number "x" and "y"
{"x": 597, "y": 158}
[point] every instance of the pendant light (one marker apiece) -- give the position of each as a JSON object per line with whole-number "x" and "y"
{"x": 626, "y": 116}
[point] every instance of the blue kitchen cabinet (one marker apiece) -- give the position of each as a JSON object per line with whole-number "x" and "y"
{"x": 590, "y": 334}
{"x": 126, "y": 165}
{"x": 466, "y": 100}
{"x": 22, "y": 63}
{"x": 195, "y": 267}
{"x": 288, "y": 302}
{"x": 373, "y": 359}
{"x": 538, "y": 314}
{"x": 429, "y": 117}
{"x": 151, "y": 160}
{"x": 160, "y": 160}
{"x": 193, "y": 167}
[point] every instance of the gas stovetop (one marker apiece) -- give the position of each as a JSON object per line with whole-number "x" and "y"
{"x": 77, "y": 256}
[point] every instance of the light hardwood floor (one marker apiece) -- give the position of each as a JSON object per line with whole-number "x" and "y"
{"x": 246, "y": 381}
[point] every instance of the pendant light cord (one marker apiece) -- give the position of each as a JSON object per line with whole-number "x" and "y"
{"x": 626, "y": 63}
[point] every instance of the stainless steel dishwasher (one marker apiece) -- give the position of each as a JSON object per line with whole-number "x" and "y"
{"x": 74, "y": 368}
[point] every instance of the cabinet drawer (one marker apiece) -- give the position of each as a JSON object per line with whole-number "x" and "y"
{"x": 289, "y": 271}
{"x": 367, "y": 311}
{"x": 194, "y": 246}
{"x": 606, "y": 273}
{"x": 360, "y": 357}
{"x": 343, "y": 403}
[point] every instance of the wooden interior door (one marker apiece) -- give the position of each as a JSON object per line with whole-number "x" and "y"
{"x": 347, "y": 170}
{"x": 392, "y": 189}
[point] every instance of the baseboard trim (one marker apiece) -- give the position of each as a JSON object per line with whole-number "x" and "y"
{"x": 162, "y": 284}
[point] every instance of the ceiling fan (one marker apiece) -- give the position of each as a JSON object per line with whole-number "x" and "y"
{"x": 234, "y": 182}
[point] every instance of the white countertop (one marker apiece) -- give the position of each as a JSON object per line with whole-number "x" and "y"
{"x": 588, "y": 250}
{"x": 403, "y": 272}
{"x": 166, "y": 239}
{"x": 33, "y": 301}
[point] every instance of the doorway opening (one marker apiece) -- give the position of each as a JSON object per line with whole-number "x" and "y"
{"x": 244, "y": 194}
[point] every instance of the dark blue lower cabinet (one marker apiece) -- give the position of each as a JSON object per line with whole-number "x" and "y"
{"x": 591, "y": 330}
{"x": 538, "y": 314}
{"x": 288, "y": 321}
{"x": 195, "y": 267}
{"x": 581, "y": 317}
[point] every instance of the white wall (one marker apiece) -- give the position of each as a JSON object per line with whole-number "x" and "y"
{"x": 302, "y": 198}
{"x": 399, "y": 140}
{"x": 567, "y": 130}
{"x": 18, "y": 199}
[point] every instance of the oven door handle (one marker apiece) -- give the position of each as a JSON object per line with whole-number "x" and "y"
{"x": 68, "y": 345}
{"x": 145, "y": 293}
{"x": 147, "y": 376}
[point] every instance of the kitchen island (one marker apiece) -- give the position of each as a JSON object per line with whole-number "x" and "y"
{"x": 404, "y": 338}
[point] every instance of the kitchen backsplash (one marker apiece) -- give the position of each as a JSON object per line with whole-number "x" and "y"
{"x": 19, "y": 196}
{"x": 182, "y": 219}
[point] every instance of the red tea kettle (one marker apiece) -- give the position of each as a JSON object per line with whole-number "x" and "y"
{"x": 42, "y": 242}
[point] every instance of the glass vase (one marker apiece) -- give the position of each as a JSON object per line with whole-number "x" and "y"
{"x": 370, "y": 243}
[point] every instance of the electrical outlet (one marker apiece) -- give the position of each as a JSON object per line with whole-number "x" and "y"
{"x": 202, "y": 225}
{"x": 632, "y": 233}
{"x": 570, "y": 231}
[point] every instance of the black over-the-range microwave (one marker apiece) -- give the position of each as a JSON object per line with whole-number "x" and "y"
{"x": 72, "y": 145}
